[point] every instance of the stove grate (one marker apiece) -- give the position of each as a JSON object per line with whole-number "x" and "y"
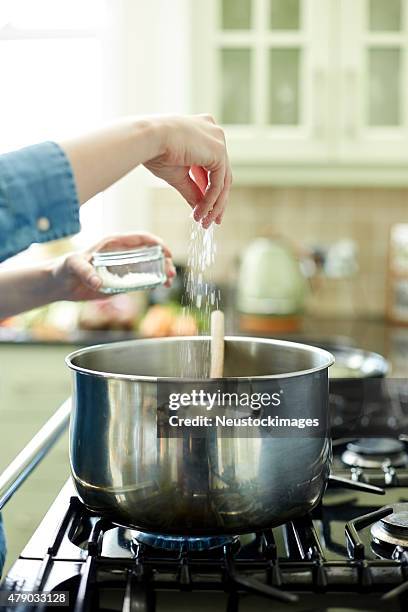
{"x": 261, "y": 570}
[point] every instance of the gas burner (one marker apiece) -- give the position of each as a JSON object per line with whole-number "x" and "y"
{"x": 375, "y": 453}
{"x": 390, "y": 534}
{"x": 173, "y": 542}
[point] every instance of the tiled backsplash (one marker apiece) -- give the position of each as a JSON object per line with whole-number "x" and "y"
{"x": 308, "y": 216}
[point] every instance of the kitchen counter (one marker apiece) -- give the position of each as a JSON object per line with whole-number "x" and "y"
{"x": 78, "y": 338}
{"x": 369, "y": 334}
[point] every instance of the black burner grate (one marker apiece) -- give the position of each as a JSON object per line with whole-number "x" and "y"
{"x": 232, "y": 568}
{"x": 289, "y": 565}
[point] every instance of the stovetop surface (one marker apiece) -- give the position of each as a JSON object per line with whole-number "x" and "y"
{"x": 348, "y": 555}
{"x": 329, "y": 560}
{"x": 340, "y": 506}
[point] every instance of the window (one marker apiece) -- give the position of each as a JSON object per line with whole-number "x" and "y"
{"x": 54, "y": 76}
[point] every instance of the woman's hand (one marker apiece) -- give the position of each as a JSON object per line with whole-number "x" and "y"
{"x": 189, "y": 153}
{"x": 68, "y": 278}
{"x": 193, "y": 158}
{"x": 75, "y": 278}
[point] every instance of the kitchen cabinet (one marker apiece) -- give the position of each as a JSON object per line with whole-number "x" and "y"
{"x": 260, "y": 68}
{"x": 306, "y": 85}
{"x": 374, "y": 79}
{"x": 34, "y": 381}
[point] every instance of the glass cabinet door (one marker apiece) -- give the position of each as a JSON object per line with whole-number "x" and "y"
{"x": 384, "y": 61}
{"x": 265, "y": 64}
{"x": 375, "y": 79}
{"x": 260, "y": 49}
{"x": 253, "y": 62}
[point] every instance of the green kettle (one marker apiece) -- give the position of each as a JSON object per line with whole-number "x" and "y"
{"x": 271, "y": 286}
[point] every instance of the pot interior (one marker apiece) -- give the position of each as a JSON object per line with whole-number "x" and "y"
{"x": 190, "y": 357}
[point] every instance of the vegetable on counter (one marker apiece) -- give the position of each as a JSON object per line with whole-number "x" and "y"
{"x": 121, "y": 312}
{"x": 167, "y": 320}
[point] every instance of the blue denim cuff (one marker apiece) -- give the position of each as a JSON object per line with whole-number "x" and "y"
{"x": 38, "y": 198}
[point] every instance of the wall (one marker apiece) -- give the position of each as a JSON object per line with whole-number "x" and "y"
{"x": 308, "y": 216}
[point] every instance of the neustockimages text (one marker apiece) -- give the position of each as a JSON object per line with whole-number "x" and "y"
{"x": 218, "y": 399}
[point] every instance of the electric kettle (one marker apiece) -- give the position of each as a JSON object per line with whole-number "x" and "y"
{"x": 271, "y": 287}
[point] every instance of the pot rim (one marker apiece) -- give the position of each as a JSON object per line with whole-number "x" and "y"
{"x": 133, "y": 377}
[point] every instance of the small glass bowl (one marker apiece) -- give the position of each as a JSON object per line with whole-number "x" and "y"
{"x": 132, "y": 270}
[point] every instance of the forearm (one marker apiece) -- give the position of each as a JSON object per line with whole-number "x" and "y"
{"x": 101, "y": 158}
{"x": 24, "y": 289}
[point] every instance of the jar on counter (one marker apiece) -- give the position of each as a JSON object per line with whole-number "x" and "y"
{"x": 132, "y": 270}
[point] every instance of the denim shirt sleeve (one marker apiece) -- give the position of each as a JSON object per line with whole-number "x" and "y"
{"x": 38, "y": 198}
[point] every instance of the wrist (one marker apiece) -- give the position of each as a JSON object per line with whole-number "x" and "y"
{"x": 150, "y": 133}
{"x": 51, "y": 282}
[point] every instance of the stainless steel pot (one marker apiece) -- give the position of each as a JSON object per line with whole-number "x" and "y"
{"x": 188, "y": 485}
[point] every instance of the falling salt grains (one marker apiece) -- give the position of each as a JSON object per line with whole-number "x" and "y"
{"x": 200, "y": 297}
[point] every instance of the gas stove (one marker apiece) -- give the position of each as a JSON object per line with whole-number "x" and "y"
{"x": 351, "y": 553}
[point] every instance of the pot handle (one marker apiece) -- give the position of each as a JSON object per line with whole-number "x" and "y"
{"x": 32, "y": 454}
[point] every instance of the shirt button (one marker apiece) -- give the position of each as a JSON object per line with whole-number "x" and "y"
{"x": 43, "y": 224}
